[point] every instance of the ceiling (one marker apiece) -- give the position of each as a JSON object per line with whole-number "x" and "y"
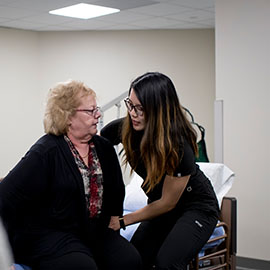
{"x": 134, "y": 14}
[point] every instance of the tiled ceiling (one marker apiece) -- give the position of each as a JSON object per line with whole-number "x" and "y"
{"x": 134, "y": 14}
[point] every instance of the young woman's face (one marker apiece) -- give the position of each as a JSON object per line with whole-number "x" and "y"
{"x": 138, "y": 121}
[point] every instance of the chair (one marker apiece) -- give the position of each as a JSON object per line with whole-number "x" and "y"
{"x": 222, "y": 256}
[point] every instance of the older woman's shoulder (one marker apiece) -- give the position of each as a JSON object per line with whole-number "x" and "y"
{"x": 48, "y": 139}
{"x": 46, "y": 143}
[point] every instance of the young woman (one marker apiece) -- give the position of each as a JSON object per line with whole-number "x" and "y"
{"x": 160, "y": 145}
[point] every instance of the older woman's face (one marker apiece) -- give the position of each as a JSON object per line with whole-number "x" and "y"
{"x": 83, "y": 124}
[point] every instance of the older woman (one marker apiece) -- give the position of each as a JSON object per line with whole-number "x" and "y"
{"x": 59, "y": 199}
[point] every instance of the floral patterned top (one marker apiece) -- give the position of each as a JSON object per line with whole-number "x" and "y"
{"x": 92, "y": 178}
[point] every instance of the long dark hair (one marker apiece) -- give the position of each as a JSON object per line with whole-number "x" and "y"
{"x": 166, "y": 126}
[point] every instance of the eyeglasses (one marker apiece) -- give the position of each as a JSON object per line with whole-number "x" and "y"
{"x": 137, "y": 108}
{"x": 92, "y": 112}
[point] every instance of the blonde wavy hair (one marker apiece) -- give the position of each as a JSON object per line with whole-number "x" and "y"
{"x": 62, "y": 102}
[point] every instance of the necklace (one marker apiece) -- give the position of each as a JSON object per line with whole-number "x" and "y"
{"x": 87, "y": 153}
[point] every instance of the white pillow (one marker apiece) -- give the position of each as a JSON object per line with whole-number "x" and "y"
{"x": 220, "y": 176}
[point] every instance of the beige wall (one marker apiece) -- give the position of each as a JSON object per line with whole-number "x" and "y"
{"x": 20, "y": 102}
{"x": 242, "y": 81}
{"x": 107, "y": 61}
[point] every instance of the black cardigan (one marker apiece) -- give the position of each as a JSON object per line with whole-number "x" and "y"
{"x": 42, "y": 199}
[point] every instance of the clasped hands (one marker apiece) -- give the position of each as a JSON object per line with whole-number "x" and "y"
{"x": 115, "y": 223}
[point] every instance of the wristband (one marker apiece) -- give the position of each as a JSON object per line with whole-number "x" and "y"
{"x": 122, "y": 223}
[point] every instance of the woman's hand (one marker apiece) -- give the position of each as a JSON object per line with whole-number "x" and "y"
{"x": 114, "y": 223}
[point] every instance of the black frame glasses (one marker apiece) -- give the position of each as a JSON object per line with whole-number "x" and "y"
{"x": 137, "y": 108}
{"x": 92, "y": 112}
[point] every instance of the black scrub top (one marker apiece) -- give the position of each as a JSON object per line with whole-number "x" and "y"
{"x": 198, "y": 194}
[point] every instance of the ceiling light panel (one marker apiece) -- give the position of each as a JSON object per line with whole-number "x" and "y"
{"x": 84, "y": 11}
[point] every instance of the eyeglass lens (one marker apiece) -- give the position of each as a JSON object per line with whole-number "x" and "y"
{"x": 137, "y": 108}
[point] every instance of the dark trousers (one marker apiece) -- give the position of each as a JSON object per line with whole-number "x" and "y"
{"x": 171, "y": 242}
{"x": 113, "y": 252}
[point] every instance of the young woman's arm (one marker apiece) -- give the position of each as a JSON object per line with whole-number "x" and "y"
{"x": 172, "y": 190}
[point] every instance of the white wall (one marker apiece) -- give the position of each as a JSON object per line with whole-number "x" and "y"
{"x": 242, "y": 81}
{"x": 107, "y": 61}
{"x": 20, "y": 102}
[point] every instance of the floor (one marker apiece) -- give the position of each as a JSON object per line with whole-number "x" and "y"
{"x": 251, "y": 264}
{"x": 247, "y": 264}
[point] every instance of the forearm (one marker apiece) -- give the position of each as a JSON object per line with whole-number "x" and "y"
{"x": 171, "y": 192}
{"x": 150, "y": 211}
